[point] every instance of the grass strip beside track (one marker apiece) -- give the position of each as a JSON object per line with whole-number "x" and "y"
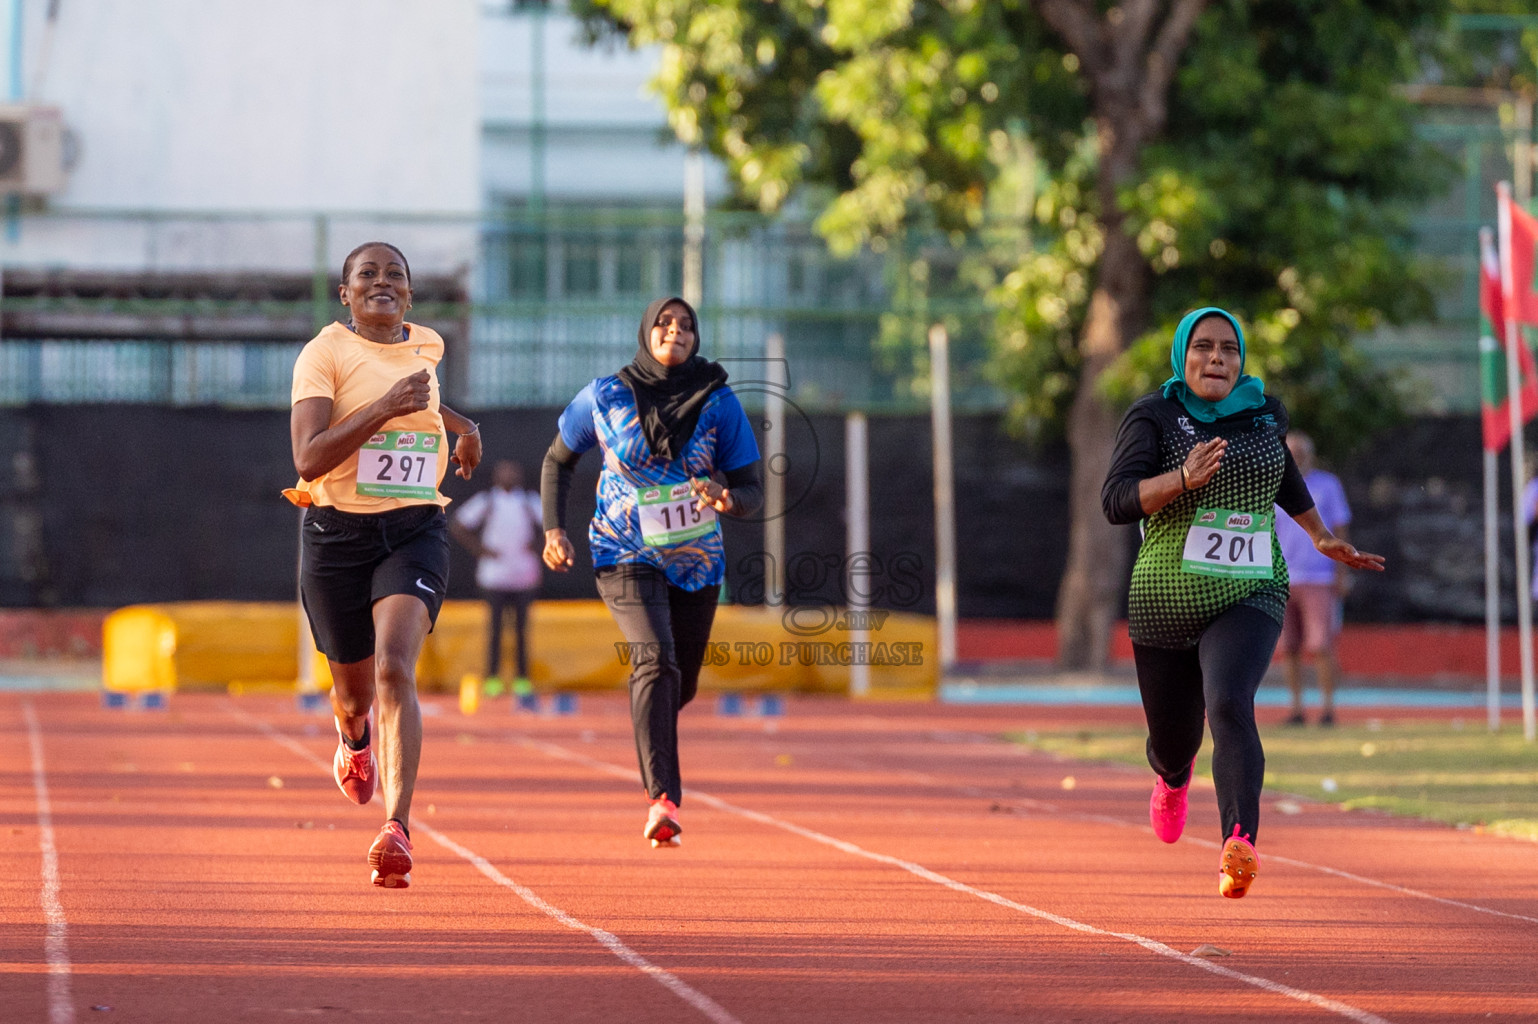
{"x": 1449, "y": 771}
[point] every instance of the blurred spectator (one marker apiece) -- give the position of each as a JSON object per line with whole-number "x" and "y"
{"x": 1313, "y": 617}
{"x": 501, "y": 527}
{"x": 1530, "y": 517}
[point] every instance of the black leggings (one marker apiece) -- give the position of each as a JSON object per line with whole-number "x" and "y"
{"x": 497, "y": 601}
{"x": 667, "y": 630}
{"x": 1217, "y": 679}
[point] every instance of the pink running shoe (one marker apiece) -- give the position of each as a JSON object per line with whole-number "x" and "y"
{"x": 354, "y": 771}
{"x": 1167, "y": 808}
{"x": 390, "y": 857}
{"x": 1239, "y": 866}
{"x": 662, "y": 826}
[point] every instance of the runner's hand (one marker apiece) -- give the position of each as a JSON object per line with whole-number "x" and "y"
{"x": 558, "y": 554}
{"x": 467, "y": 454}
{"x": 1202, "y": 464}
{"x": 712, "y": 495}
{"x": 1343, "y": 552}
{"x": 407, "y": 395}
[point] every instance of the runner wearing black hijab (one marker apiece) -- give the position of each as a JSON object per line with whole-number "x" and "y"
{"x": 1201, "y": 462}
{"x": 677, "y": 450}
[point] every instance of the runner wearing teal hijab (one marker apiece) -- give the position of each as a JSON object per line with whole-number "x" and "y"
{"x": 1201, "y": 462}
{"x": 1248, "y": 392}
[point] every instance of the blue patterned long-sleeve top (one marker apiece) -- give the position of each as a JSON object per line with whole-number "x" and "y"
{"x": 604, "y": 413}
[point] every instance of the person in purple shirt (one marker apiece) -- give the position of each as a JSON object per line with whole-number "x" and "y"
{"x": 1313, "y": 615}
{"x": 1530, "y": 517}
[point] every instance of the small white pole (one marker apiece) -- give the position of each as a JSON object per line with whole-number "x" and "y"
{"x": 945, "y": 491}
{"x": 857, "y": 563}
{"x": 1492, "y": 591}
{"x": 776, "y": 465}
{"x": 306, "y": 688}
{"x": 694, "y": 228}
{"x": 1518, "y": 470}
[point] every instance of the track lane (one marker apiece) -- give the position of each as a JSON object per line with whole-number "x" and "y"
{"x": 197, "y": 888}
{"x": 768, "y": 925}
{"x": 27, "y": 984}
{"x": 1334, "y": 919}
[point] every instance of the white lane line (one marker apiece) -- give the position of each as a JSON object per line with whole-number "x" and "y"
{"x": 711, "y": 1009}
{"x": 61, "y": 1004}
{"x": 1053, "y": 810}
{"x": 695, "y": 998}
{"x": 1152, "y": 945}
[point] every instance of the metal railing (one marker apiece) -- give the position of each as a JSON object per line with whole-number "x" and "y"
{"x": 543, "y": 304}
{"x": 540, "y": 302}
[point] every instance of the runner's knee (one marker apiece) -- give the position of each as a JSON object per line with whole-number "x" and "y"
{"x": 1231, "y": 709}
{"x": 395, "y": 672}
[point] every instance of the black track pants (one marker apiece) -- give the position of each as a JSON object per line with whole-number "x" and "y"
{"x": 1215, "y": 680}
{"x": 667, "y": 630}
{"x": 497, "y": 602}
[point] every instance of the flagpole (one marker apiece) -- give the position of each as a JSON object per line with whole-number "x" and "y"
{"x": 1518, "y": 469}
{"x": 1492, "y": 591}
{"x": 1491, "y": 461}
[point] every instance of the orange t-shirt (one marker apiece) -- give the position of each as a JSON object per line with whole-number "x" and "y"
{"x": 404, "y": 462}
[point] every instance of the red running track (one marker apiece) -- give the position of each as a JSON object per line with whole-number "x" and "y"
{"x": 848, "y": 862}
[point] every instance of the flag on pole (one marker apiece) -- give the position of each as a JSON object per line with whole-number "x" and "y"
{"x": 1494, "y": 395}
{"x": 1519, "y": 239}
{"x": 1524, "y": 265}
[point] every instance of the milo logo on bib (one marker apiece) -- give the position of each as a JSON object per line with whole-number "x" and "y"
{"x": 406, "y": 440}
{"x": 1239, "y": 521}
{"x": 1207, "y": 517}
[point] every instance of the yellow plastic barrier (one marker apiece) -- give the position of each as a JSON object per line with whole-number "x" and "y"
{"x": 139, "y": 650}
{"x": 574, "y": 645}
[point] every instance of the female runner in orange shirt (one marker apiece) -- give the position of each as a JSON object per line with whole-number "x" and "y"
{"x": 368, "y": 436}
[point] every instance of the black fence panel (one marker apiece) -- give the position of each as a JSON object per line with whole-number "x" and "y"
{"x": 107, "y": 505}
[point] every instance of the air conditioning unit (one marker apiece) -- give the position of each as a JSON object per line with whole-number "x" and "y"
{"x": 31, "y": 150}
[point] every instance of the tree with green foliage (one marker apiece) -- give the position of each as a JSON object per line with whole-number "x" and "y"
{"x": 1124, "y": 161}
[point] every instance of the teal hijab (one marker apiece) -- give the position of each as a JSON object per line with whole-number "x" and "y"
{"x": 1248, "y": 393}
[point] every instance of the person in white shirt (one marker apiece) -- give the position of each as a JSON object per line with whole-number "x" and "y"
{"x": 501, "y": 528}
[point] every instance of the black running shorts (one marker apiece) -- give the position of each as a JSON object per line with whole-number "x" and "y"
{"x": 349, "y": 560}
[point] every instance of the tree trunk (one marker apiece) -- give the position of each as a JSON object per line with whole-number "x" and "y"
{"x": 1096, "y": 574}
{"x": 1129, "y": 55}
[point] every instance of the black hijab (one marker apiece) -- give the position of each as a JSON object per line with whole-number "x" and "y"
{"x": 669, "y": 399}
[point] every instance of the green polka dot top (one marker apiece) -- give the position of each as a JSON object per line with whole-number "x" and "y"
{"x": 1178, "y": 586}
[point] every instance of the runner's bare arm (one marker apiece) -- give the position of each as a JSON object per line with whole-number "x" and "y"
{"x": 319, "y": 447}
{"x": 467, "y": 446}
{"x": 1335, "y": 547}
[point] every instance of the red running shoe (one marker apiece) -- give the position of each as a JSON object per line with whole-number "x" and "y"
{"x": 1239, "y": 866}
{"x": 390, "y": 857}
{"x": 662, "y": 826}
{"x": 354, "y": 771}
{"x": 1167, "y": 808}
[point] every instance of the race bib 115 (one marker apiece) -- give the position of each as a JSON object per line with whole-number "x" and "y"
{"x": 670, "y": 514}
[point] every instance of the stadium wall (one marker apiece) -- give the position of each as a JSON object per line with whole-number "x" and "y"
{"x": 107, "y": 505}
